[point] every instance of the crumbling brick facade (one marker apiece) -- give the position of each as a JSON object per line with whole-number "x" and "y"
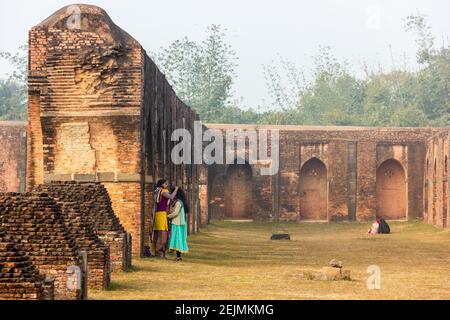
{"x": 92, "y": 202}
{"x": 437, "y": 182}
{"x": 35, "y": 223}
{"x": 12, "y": 156}
{"x": 100, "y": 111}
{"x": 101, "y": 116}
{"x": 85, "y": 239}
{"x": 19, "y": 278}
{"x": 328, "y": 173}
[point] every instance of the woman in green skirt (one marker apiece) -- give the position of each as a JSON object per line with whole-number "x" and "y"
{"x": 178, "y": 235}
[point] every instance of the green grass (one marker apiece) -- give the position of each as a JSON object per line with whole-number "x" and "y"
{"x": 239, "y": 261}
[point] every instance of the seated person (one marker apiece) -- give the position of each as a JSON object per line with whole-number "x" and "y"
{"x": 375, "y": 227}
{"x": 384, "y": 227}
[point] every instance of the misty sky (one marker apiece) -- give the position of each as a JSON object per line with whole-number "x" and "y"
{"x": 357, "y": 30}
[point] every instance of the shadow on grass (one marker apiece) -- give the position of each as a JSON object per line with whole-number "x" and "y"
{"x": 132, "y": 268}
{"x": 114, "y": 286}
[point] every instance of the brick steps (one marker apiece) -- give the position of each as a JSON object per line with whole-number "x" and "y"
{"x": 35, "y": 223}
{"x": 93, "y": 202}
{"x": 19, "y": 277}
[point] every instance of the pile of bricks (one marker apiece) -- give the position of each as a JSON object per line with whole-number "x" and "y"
{"x": 19, "y": 278}
{"x": 97, "y": 252}
{"x": 94, "y": 204}
{"x": 34, "y": 221}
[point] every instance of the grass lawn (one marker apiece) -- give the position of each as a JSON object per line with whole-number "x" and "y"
{"x": 239, "y": 261}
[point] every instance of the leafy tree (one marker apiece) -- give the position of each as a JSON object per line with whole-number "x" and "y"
{"x": 334, "y": 96}
{"x": 13, "y": 91}
{"x": 425, "y": 40}
{"x": 203, "y": 73}
{"x": 434, "y": 78}
{"x": 13, "y": 100}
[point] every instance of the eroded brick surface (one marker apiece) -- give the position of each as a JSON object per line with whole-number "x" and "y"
{"x": 19, "y": 278}
{"x": 437, "y": 180}
{"x": 12, "y": 155}
{"x": 100, "y": 110}
{"x": 352, "y": 158}
{"x": 92, "y": 203}
{"x": 35, "y": 223}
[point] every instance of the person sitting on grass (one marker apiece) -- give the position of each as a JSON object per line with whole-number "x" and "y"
{"x": 178, "y": 237}
{"x": 375, "y": 227}
{"x": 379, "y": 226}
{"x": 384, "y": 227}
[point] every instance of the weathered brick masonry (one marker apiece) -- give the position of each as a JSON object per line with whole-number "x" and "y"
{"x": 100, "y": 110}
{"x": 92, "y": 202}
{"x": 437, "y": 182}
{"x": 100, "y": 120}
{"x": 12, "y": 156}
{"x": 327, "y": 173}
{"x": 35, "y": 223}
{"x": 19, "y": 277}
{"x": 86, "y": 240}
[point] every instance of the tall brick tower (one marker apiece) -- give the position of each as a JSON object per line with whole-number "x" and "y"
{"x": 100, "y": 110}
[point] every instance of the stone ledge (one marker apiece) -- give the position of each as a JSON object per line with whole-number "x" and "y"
{"x": 116, "y": 177}
{"x": 94, "y": 113}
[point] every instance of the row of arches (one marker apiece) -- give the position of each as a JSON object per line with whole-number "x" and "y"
{"x": 391, "y": 191}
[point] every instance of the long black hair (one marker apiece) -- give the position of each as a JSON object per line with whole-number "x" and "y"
{"x": 182, "y": 197}
{"x": 160, "y": 183}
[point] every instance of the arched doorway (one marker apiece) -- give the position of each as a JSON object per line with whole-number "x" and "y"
{"x": 238, "y": 192}
{"x": 391, "y": 191}
{"x": 313, "y": 191}
{"x": 217, "y": 198}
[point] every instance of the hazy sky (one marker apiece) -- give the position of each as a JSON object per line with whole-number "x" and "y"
{"x": 357, "y": 30}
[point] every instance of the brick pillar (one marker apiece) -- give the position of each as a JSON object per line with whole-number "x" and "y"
{"x": 352, "y": 176}
{"x": 35, "y": 155}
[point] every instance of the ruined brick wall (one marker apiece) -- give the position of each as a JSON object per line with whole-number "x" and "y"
{"x": 163, "y": 112}
{"x": 82, "y": 231}
{"x": 84, "y": 103}
{"x": 92, "y": 201}
{"x": 436, "y": 180}
{"x": 12, "y": 156}
{"x": 352, "y": 157}
{"x": 19, "y": 278}
{"x": 35, "y": 223}
{"x": 100, "y": 111}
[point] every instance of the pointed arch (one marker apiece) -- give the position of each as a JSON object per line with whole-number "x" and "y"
{"x": 313, "y": 190}
{"x": 238, "y": 191}
{"x": 391, "y": 190}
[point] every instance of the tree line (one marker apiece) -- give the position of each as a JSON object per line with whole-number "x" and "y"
{"x": 203, "y": 74}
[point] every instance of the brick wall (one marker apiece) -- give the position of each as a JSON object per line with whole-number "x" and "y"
{"x": 352, "y": 156}
{"x": 35, "y": 223}
{"x": 436, "y": 184}
{"x": 12, "y": 156}
{"x": 19, "y": 278}
{"x": 100, "y": 110}
{"x": 93, "y": 202}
